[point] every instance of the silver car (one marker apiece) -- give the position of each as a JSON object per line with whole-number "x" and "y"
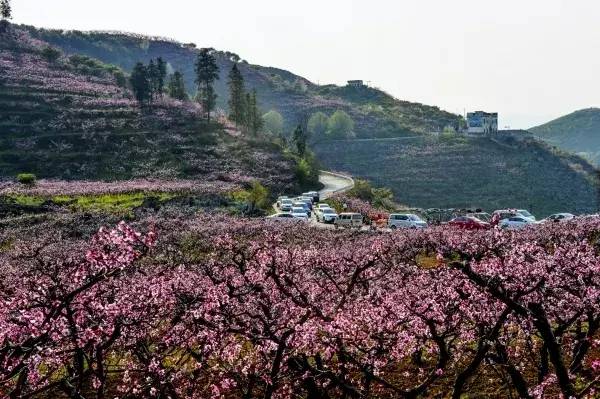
{"x": 406, "y": 221}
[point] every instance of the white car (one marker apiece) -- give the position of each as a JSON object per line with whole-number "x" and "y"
{"x": 525, "y": 213}
{"x": 281, "y": 216}
{"x": 303, "y": 205}
{"x": 319, "y": 208}
{"x": 308, "y": 201}
{"x": 285, "y": 204}
{"x": 299, "y": 212}
{"x": 406, "y": 221}
{"x": 559, "y": 217}
{"x": 314, "y": 195}
{"x": 516, "y": 223}
{"x": 326, "y": 215}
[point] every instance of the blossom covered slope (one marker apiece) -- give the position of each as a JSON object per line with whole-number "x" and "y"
{"x": 73, "y": 118}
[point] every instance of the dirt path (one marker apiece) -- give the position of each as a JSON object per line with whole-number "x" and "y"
{"x": 334, "y": 183}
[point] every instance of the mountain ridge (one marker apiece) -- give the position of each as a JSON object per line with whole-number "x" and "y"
{"x": 295, "y": 97}
{"x": 577, "y": 132}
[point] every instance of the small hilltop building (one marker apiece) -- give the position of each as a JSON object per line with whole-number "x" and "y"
{"x": 480, "y": 122}
{"x": 355, "y": 83}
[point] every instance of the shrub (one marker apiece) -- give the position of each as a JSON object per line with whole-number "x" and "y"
{"x": 307, "y": 171}
{"x": 51, "y": 54}
{"x": 26, "y": 178}
{"x": 255, "y": 199}
{"x": 362, "y": 189}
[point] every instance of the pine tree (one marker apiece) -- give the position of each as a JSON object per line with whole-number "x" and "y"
{"x": 207, "y": 71}
{"x": 176, "y": 87}
{"x": 162, "y": 74}
{"x": 5, "y": 9}
{"x": 257, "y": 122}
{"x": 299, "y": 140}
{"x": 247, "y": 101}
{"x": 153, "y": 75}
{"x": 140, "y": 84}
{"x": 237, "y": 106}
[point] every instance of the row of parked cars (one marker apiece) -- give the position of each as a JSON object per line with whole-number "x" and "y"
{"x": 303, "y": 207}
{"x": 510, "y": 219}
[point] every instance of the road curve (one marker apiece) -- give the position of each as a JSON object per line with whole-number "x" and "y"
{"x": 334, "y": 183}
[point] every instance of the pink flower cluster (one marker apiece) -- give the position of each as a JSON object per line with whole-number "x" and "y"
{"x": 223, "y": 307}
{"x": 49, "y": 188}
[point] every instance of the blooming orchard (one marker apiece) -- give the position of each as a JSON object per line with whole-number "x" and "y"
{"x": 222, "y": 307}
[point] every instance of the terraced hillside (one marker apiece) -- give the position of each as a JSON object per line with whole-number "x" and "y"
{"x": 578, "y": 132}
{"x": 470, "y": 172}
{"x": 71, "y": 117}
{"x": 376, "y": 113}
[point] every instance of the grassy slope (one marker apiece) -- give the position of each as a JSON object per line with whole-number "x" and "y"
{"x": 375, "y": 112}
{"x": 62, "y": 122}
{"x": 469, "y": 172}
{"x": 578, "y": 132}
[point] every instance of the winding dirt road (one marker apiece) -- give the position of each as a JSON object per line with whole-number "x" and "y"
{"x": 334, "y": 183}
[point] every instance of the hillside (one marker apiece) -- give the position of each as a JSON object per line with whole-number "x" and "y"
{"x": 376, "y": 113}
{"x": 469, "y": 172}
{"x": 68, "y": 118}
{"x": 577, "y": 132}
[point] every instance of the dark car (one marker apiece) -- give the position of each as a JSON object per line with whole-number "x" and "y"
{"x": 469, "y": 223}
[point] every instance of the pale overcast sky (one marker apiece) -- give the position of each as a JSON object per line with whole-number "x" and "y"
{"x": 529, "y": 60}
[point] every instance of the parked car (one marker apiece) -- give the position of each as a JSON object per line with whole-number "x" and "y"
{"x": 326, "y": 215}
{"x": 469, "y": 223}
{"x": 323, "y": 205}
{"x": 307, "y": 200}
{"x": 299, "y": 212}
{"x": 281, "y": 197}
{"x": 347, "y": 219}
{"x": 559, "y": 217}
{"x": 312, "y": 194}
{"x": 483, "y": 216}
{"x": 406, "y": 221}
{"x": 303, "y": 205}
{"x": 285, "y": 204}
{"x": 516, "y": 222}
{"x": 526, "y": 213}
{"x": 281, "y": 216}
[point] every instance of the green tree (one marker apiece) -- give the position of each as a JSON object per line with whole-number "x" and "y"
{"x": 340, "y": 125}
{"x": 256, "y": 122}
{"x": 153, "y": 79}
{"x": 317, "y": 125}
{"x": 362, "y": 189}
{"x": 5, "y": 9}
{"x": 299, "y": 139}
{"x": 258, "y": 196}
{"x": 238, "y": 108}
{"x": 382, "y": 198}
{"x": 161, "y": 67}
{"x": 140, "y": 83}
{"x": 207, "y": 71}
{"x": 273, "y": 123}
{"x": 51, "y": 54}
{"x": 176, "y": 87}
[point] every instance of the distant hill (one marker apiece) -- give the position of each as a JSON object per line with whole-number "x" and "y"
{"x": 68, "y": 118}
{"x": 376, "y": 113}
{"x": 577, "y": 132}
{"x": 461, "y": 172}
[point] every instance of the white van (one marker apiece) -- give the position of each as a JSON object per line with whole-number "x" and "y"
{"x": 406, "y": 221}
{"x": 349, "y": 220}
